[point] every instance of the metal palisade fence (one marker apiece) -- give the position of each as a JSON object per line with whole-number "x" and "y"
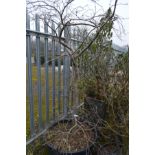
{"x": 60, "y": 94}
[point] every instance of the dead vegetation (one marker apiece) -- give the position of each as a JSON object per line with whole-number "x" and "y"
{"x": 70, "y": 136}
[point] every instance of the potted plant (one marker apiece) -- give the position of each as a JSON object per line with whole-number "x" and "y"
{"x": 70, "y": 137}
{"x": 104, "y": 81}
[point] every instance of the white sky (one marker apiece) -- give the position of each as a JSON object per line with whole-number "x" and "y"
{"x": 120, "y": 36}
{"x": 121, "y": 10}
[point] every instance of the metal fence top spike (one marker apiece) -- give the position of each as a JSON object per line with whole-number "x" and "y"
{"x": 53, "y": 28}
{"x": 37, "y": 22}
{"x": 27, "y": 21}
{"x": 45, "y": 25}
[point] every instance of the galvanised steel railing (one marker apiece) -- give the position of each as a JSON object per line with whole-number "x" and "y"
{"x": 56, "y": 91}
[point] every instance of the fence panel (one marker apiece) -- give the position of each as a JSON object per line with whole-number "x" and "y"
{"x": 60, "y": 94}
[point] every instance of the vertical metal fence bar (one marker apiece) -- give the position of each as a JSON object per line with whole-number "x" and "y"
{"x": 63, "y": 77}
{"x": 64, "y": 80}
{"x": 66, "y": 72}
{"x": 72, "y": 93}
{"x": 53, "y": 72}
{"x": 29, "y": 54}
{"x": 68, "y": 82}
{"x": 64, "y": 86}
{"x": 59, "y": 73}
{"x": 46, "y": 71}
{"x": 69, "y": 67}
{"x": 37, "y": 24}
{"x": 74, "y": 47}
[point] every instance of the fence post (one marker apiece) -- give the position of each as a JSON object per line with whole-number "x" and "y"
{"x": 53, "y": 72}
{"x": 37, "y": 25}
{"x": 59, "y": 72}
{"x": 29, "y": 55}
{"x": 46, "y": 70}
{"x": 66, "y": 70}
{"x": 73, "y": 69}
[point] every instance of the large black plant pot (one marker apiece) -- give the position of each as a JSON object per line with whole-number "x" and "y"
{"x": 95, "y": 107}
{"x": 52, "y": 151}
{"x": 107, "y": 149}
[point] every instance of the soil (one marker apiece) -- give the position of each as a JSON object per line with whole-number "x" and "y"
{"x": 70, "y": 137}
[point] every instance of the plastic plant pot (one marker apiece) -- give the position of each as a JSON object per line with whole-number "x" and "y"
{"x": 92, "y": 104}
